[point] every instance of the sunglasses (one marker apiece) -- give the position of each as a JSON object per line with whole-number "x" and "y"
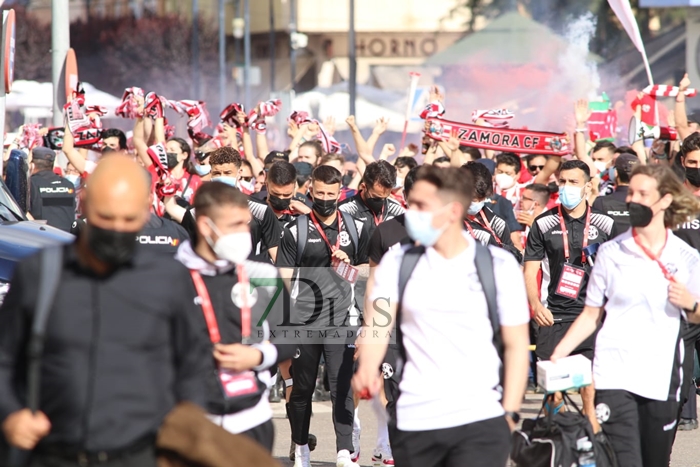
{"x": 532, "y": 168}
{"x": 247, "y": 179}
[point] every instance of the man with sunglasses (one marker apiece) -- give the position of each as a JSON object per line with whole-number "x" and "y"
{"x": 535, "y": 163}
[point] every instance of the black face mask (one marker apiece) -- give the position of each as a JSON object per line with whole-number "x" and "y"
{"x": 115, "y": 248}
{"x": 692, "y": 174}
{"x": 277, "y": 203}
{"x": 347, "y": 179}
{"x": 325, "y": 207}
{"x": 172, "y": 160}
{"x": 640, "y": 215}
{"x": 375, "y": 204}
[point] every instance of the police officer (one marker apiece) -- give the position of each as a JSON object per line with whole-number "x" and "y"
{"x": 124, "y": 341}
{"x": 52, "y": 198}
{"x": 615, "y": 204}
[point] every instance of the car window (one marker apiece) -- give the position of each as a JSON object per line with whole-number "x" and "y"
{"x": 9, "y": 209}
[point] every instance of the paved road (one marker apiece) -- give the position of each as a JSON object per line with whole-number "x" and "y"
{"x": 686, "y": 451}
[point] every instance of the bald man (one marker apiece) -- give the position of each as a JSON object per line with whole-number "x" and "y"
{"x": 124, "y": 340}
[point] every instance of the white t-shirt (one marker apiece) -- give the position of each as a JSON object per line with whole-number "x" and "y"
{"x": 447, "y": 335}
{"x": 641, "y": 328}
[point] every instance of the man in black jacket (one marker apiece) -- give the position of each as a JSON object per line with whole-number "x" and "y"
{"x": 124, "y": 340}
{"x": 52, "y": 197}
{"x": 219, "y": 258}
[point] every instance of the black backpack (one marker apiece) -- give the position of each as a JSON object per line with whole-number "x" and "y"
{"x": 551, "y": 440}
{"x": 484, "y": 270}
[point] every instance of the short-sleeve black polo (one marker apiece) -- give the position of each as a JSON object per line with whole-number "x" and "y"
{"x": 546, "y": 241}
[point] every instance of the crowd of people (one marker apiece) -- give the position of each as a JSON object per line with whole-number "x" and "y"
{"x": 406, "y": 272}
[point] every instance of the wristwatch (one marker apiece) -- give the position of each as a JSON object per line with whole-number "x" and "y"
{"x": 692, "y": 310}
{"x": 513, "y": 416}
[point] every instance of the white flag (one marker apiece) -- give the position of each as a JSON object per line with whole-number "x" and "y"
{"x": 623, "y": 10}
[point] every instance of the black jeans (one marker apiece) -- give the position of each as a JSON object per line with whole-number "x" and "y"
{"x": 339, "y": 367}
{"x": 480, "y": 444}
{"x": 640, "y": 430}
{"x": 143, "y": 458}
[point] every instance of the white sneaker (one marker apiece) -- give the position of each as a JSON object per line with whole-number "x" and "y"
{"x": 302, "y": 456}
{"x": 382, "y": 457}
{"x": 355, "y": 444}
{"x": 344, "y": 460}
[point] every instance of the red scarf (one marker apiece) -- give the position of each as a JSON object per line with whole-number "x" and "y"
{"x": 501, "y": 139}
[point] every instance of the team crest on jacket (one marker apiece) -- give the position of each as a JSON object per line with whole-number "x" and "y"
{"x": 602, "y": 412}
{"x": 593, "y": 232}
{"x": 387, "y": 370}
{"x": 237, "y": 296}
{"x": 344, "y": 238}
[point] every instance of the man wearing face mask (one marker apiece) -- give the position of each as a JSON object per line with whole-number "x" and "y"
{"x": 508, "y": 166}
{"x": 603, "y": 158}
{"x": 480, "y": 221}
{"x": 264, "y": 228}
{"x": 281, "y": 186}
{"x": 560, "y": 235}
{"x": 124, "y": 341}
{"x": 52, "y": 198}
{"x": 374, "y": 204}
{"x": 615, "y": 203}
{"x": 220, "y": 270}
{"x": 315, "y": 254}
{"x": 690, "y": 159}
{"x": 444, "y": 329}
{"x": 689, "y": 232}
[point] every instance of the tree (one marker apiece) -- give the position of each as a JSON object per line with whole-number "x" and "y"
{"x": 32, "y": 47}
{"x": 153, "y": 52}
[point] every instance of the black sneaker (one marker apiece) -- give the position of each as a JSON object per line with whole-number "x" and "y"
{"x": 688, "y": 424}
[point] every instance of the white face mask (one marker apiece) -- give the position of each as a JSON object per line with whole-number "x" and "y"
{"x": 600, "y": 166}
{"x": 504, "y": 181}
{"x": 235, "y": 247}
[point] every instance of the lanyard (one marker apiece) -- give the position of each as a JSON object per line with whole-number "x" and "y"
{"x": 653, "y": 257}
{"x": 565, "y": 234}
{"x": 487, "y": 226}
{"x": 208, "y": 309}
{"x": 378, "y": 220}
{"x": 323, "y": 234}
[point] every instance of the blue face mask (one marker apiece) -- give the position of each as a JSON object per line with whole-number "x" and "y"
{"x": 419, "y": 225}
{"x": 475, "y": 207}
{"x": 74, "y": 179}
{"x": 570, "y": 196}
{"x": 227, "y": 180}
{"x": 202, "y": 170}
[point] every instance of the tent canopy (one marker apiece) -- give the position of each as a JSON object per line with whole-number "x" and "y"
{"x": 36, "y": 98}
{"x": 511, "y": 39}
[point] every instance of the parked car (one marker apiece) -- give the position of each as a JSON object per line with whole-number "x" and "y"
{"x": 21, "y": 237}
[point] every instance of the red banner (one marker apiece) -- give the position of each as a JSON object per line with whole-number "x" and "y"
{"x": 501, "y": 139}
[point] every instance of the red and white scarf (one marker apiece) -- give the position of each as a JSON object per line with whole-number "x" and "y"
{"x": 330, "y": 145}
{"x": 84, "y": 122}
{"x": 433, "y": 110}
{"x": 256, "y": 118}
{"x": 662, "y": 90}
{"x": 497, "y": 118}
{"x": 30, "y": 136}
{"x": 127, "y": 109}
{"x": 500, "y": 139}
